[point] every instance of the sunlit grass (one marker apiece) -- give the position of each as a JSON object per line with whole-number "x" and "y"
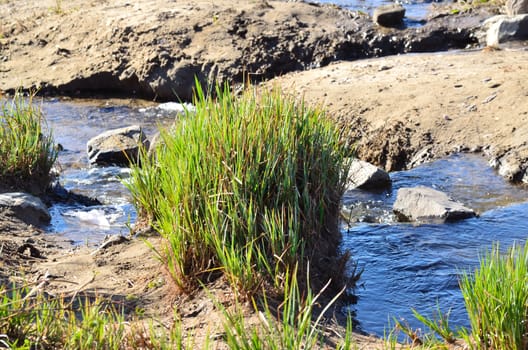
{"x": 496, "y": 297}
{"x": 27, "y": 150}
{"x": 246, "y": 186}
{"x": 31, "y": 320}
{"x": 293, "y": 325}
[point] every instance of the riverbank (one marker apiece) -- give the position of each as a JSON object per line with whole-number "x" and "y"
{"x": 401, "y": 111}
{"x": 154, "y": 49}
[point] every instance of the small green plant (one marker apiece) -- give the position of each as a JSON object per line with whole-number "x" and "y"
{"x": 496, "y": 298}
{"x": 98, "y": 326}
{"x": 57, "y": 9}
{"x": 27, "y": 150}
{"x": 438, "y": 324}
{"x": 247, "y": 187}
{"x": 390, "y": 338}
{"x": 31, "y": 320}
{"x": 440, "y": 335}
{"x": 293, "y": 327}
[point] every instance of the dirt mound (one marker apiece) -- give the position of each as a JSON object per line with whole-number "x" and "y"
{"x": 155, "y": 49}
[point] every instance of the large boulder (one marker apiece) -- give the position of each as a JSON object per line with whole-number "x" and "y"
{"x": 28, "y": 208}
{"x": 117, "y": 147}
{"x": 389, "y": 15}
{"x": 516, "y": 7}
{"x": 366, "y": 176}
{"x": 425, "y": 204}
{"x": 505, "y": 28}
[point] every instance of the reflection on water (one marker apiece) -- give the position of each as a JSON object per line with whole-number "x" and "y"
{"x": 417, "y": 266}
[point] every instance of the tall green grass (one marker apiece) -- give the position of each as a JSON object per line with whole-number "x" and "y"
{"x": 247, "y": 187}
{"x": 27, "y": 150}
{"x": 496, "y": 297}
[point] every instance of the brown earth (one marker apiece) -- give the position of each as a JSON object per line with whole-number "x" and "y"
{"x": 154, "y": 49}
{"x": 401, "y": 111}
{"x": 396, "y": 111}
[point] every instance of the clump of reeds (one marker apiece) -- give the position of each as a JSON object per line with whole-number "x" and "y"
{"x": 27, "y": 150}
{"x": 496, "y": 297}
{"x": 245, "y": 186}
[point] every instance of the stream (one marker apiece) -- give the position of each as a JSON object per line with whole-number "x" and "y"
{"x": 416, "y": 11}
{"x": 405, "y": 266}
{"x": 418, "y": 266}
{"x": 73, "y": 124}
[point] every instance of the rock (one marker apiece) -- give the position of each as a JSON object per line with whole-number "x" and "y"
{"x": 511, "y": 166}
{"x": 56, "y": 193}
{"x": 389, "y": 15}
{"x": 505, "y": 28}
{"x": 516, "y": 7}
{"x": 117, "y": 147}
{"x": 367, "y": 176}
{"x": 110, "y": 241}
{"x": 28, "y": 208}
{"x": 426, "y": 204}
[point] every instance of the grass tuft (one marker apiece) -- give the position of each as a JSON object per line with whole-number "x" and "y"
{"x": 290, "y": 326}
{"x": 496, "y": 297}
{"x": 245, "y": 187}
{"x": 27, "y": 151}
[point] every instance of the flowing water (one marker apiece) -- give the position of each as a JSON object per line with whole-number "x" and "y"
{"x": 405, "y": 266}
{"x": 73, "y": 124}
{"x": 416, "y": 11}
{"x": 417, "y": 266}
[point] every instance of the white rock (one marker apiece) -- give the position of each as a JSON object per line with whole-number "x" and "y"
{"x": 516, "y": 7}
{"x": 506, "y": 28}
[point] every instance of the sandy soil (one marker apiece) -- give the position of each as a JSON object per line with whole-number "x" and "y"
{"x": 155, "y": 49}
{"x": 400, "y": 111}
{"x": 396, "y": 111}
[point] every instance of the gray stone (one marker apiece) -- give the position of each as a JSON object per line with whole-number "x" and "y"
{"x": 511, "y": 166}
{"x": 389, "y": 15}
{"x": 28, "y": 208}
{"x": 425, "y": 204}
{"x": 505, "y": 28}
{"x": 117, "y": 147}
{"x": 366, "y": 176}
{"x": 516, "y": 7}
